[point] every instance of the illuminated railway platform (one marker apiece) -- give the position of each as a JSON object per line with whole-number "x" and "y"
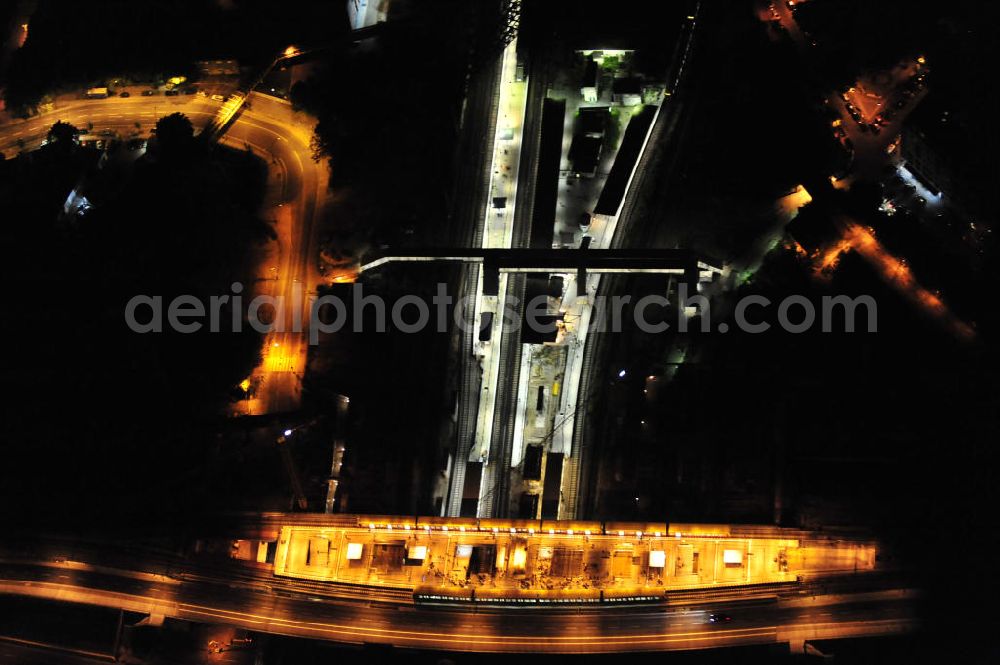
{"x": 559, "y": 561}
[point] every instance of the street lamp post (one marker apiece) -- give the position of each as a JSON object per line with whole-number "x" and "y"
{"x": 245, "y": 385}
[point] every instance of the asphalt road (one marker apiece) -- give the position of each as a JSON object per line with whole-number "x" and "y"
{"x": 272, "y": 609}
{"x": 297, "y": 182}
{"x": 115, "y": 113}
{"x": 269, "y": 129}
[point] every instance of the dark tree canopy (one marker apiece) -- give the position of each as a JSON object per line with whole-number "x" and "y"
{"x": 101, "y": 400}
{"x": 63, "y": 133}
{"x": 396, "y": 156}
{"x": 174, "y": 135}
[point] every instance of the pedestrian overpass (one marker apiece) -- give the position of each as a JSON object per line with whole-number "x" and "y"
{"x": 692, "y": 266}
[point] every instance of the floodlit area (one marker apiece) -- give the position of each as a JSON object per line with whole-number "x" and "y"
{"x": 893, "y": 270}
{"x": 498, "y": 229}
{"x": 528, "y": 558}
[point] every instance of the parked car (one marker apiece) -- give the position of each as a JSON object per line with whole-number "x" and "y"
{"x": 124, "y": 93}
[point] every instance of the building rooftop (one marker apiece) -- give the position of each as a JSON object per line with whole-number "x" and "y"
{"x": 593, "y": 120}
{"x": 543, "y": 214}
{"x": 629, "y": 85}
{"x": 585, "y": 152}
{"x": 614, "y": 189}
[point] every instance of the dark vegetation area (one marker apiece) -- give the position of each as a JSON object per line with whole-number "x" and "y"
{"x": 892, "y": 430}
{"x": 858, "y": 36}
{"x": 135, "y": 412}
{"x": 78, "y": 44}
{"x": 389, "y": 113}
{"x": 752, "y": 137}
{"x": 131, "y": 421}
{"x": 394, "y": 380}
{"x": 98, "y": 419}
